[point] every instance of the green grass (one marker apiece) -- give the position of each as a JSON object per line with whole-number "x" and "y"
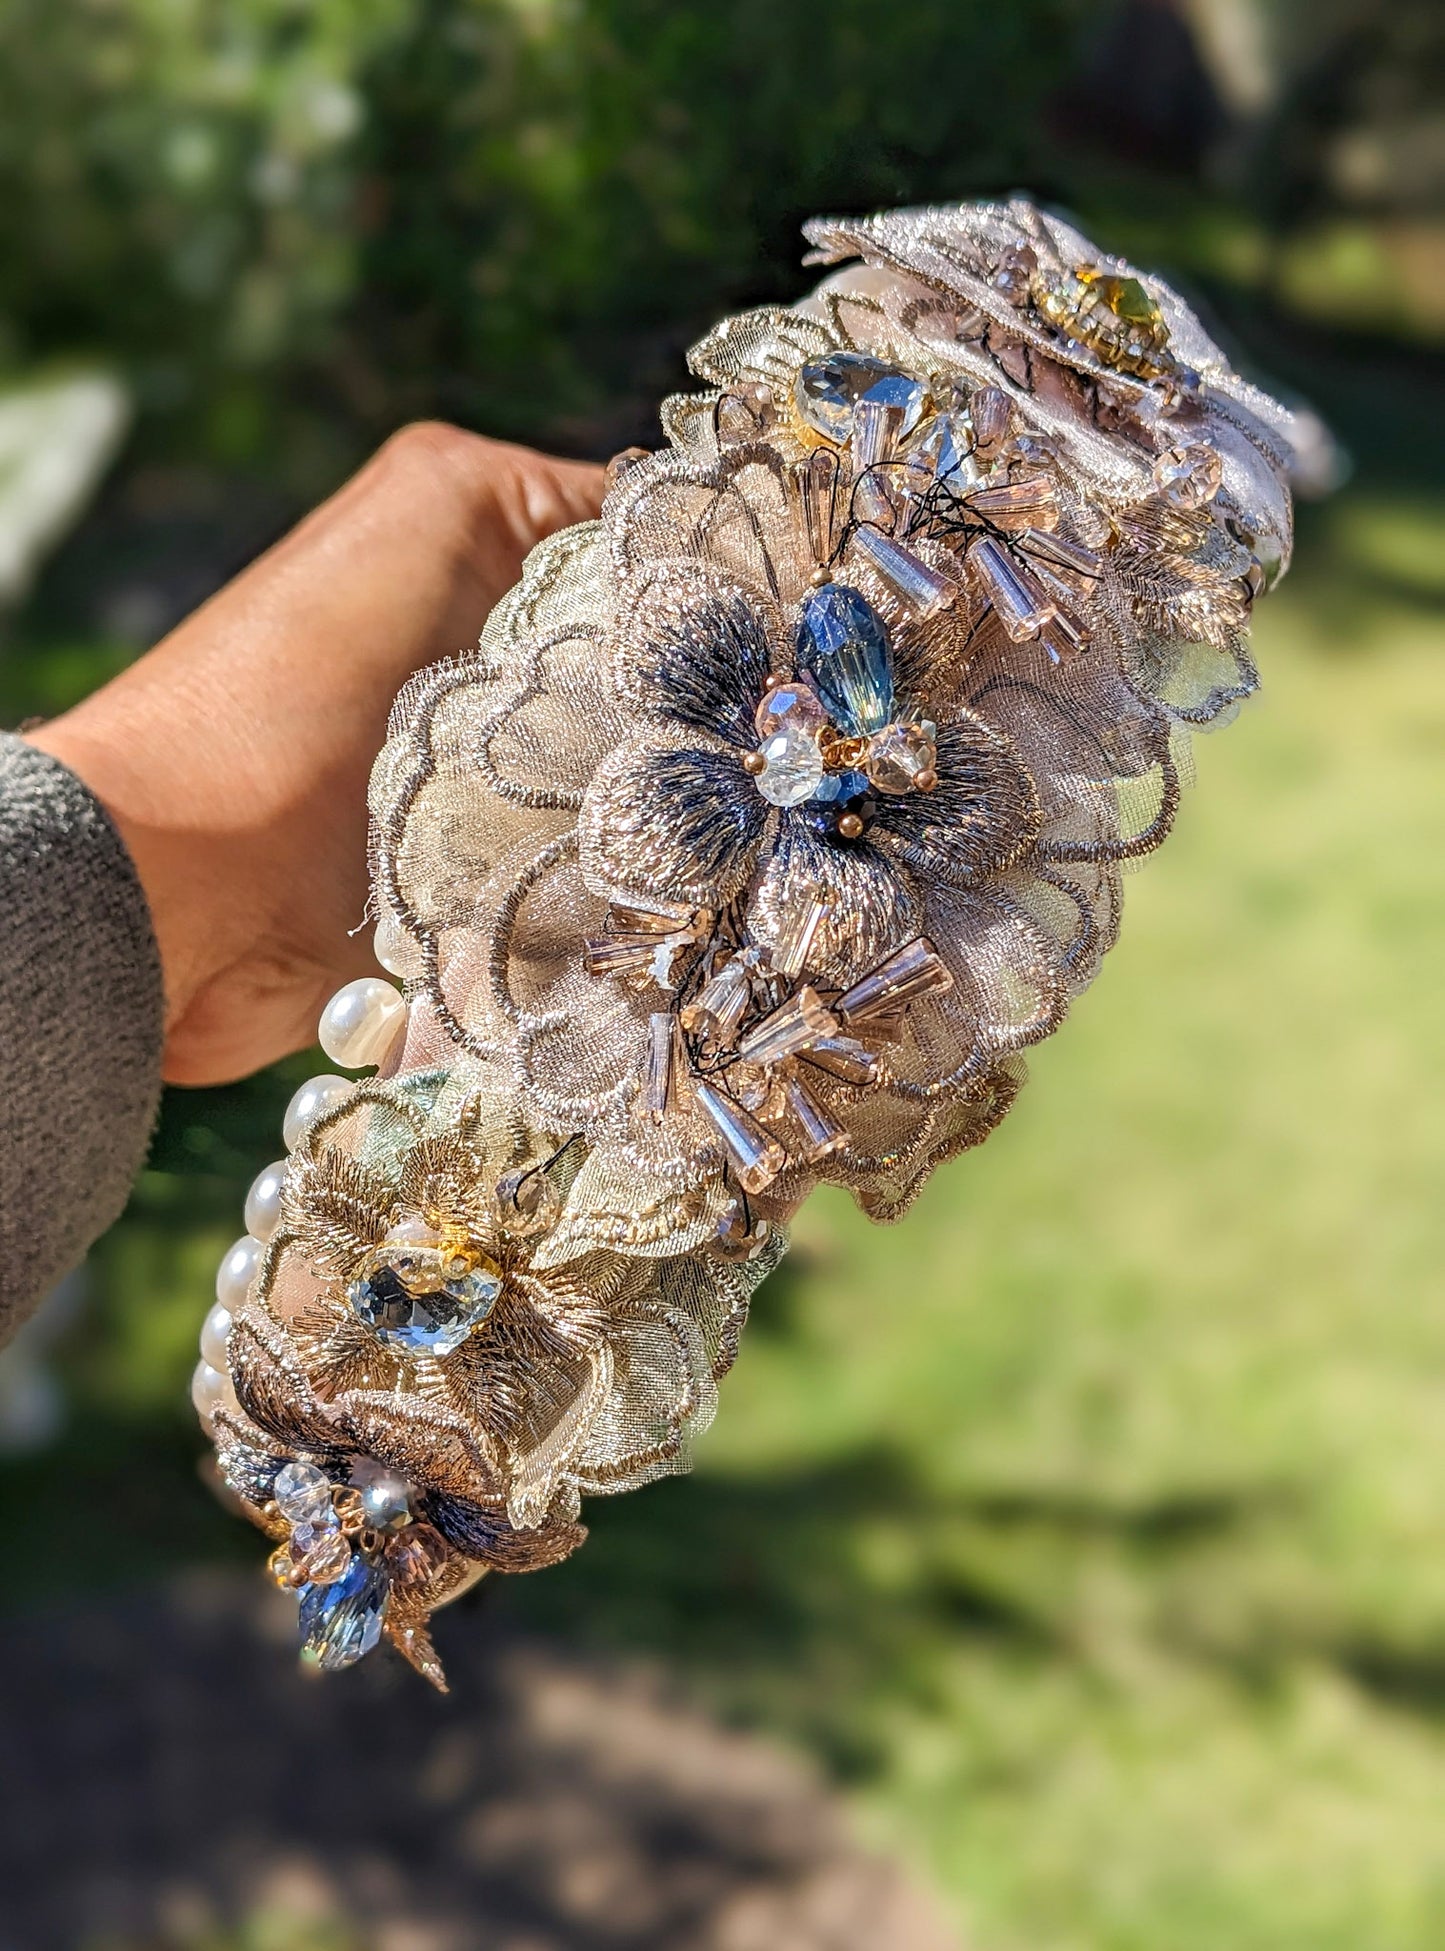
{"x": 1090, "y": 1526}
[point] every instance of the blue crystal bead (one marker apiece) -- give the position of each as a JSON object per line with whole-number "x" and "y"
{"x": 827, "y": 391}
{"x": 843, "y": 649}
{"x": 410, "y": 1303}
{"x": 839, "y": 786}
{"x": 341, "y": 1623}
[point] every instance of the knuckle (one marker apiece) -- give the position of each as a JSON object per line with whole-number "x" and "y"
{"x": 435, "y": 446}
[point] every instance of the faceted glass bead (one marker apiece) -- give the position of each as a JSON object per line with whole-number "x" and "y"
{"x": 790, "y": 704}
{"x": 1189, "y": 476}
{"x": 843, "y": 649}
{"x": 319, "y": 1557}
{"x": 415, "y": 1296}
{"x": 792, "y": 766}
{"x": 828, "y": 390}
{"x": 385, "y": 1495}
{"x": 745, "y": 413}
{"x": 341, "y": 1622}
{"x": 303, "y": 1494}
{"x": 416, "y": 1555}
{"x": 897, "y": 755}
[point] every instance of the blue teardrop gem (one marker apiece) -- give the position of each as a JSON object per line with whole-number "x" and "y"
{"x": 342, "y": 1622}
{"x": 843, "y": 647}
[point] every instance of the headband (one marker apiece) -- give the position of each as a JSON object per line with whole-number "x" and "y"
{"x": 777, "y": 814}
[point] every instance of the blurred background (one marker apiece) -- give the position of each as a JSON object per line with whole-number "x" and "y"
{"x": 1083, "y": 1539}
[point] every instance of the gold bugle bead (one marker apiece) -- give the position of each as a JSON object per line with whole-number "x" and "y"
{"x": 790, "y": 1028}
{"x": 843, "y": 1057}
{"x": 914, "y": 970}
{"x": 822, "y": 1133}
{"x": 757, "y": 1157}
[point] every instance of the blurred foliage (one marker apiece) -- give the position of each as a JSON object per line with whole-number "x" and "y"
{"x": 317, "y": 219}
{"x": 294, "y": 223}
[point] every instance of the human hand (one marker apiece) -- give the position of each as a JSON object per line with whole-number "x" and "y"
{"x": 234, "y": 757}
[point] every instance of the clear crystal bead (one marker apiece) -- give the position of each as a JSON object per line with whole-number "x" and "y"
{"x": 739, "y": 1235}
{"x": 897, "y": 755}
{"x": 303, "y": 1494}
{"x": 828, "y": 390}
{"x": 385, "y": 1495}
{"x": 792, "y": 766}
{"x": 745, "y": 412}
{"x": 1189, "y": 477}
{"x": 416, "y": 1555}
{"x": 943, "y": 453}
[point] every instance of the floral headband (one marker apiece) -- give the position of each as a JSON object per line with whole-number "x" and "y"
{"x": 776, "y": 815}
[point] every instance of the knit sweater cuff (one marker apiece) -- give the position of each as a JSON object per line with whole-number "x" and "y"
{"x": 81, "y": 1025}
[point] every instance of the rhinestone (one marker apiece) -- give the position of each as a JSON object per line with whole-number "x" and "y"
{"x": 744, "y": 413}
{"x": 527, "y": 1202}
{"x": 623, "y": 463}
{"x": 303, "y": 1494}
{"x": 792, "y": 766}
{"x": 412, "y": 1296}
{"x": 738, "y": 1236}
{"x": 843, "y": 647}
{"x": 1126, "y": 298}
{"x": 828, "y": 390}
{"x": 341, "y": 1622}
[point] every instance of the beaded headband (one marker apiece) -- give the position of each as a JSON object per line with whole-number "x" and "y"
{"x": 776, "y": 815}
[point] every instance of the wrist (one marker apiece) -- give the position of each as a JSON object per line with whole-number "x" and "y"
{"x": 182, "y": 870}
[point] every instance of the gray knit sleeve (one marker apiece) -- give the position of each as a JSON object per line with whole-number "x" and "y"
{"x": 81, "y": 1020}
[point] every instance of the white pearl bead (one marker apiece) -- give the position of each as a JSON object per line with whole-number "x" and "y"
{"x": 236, "y": 1273}
{"x": 362, "y": 1022}
{"x": 210, "y": 1387}
{"x": 263, "y": 1201}
{"x": 394, "y": 949}
{"x": 316, "y": 1095}
{"x": 215, "y": 1332}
